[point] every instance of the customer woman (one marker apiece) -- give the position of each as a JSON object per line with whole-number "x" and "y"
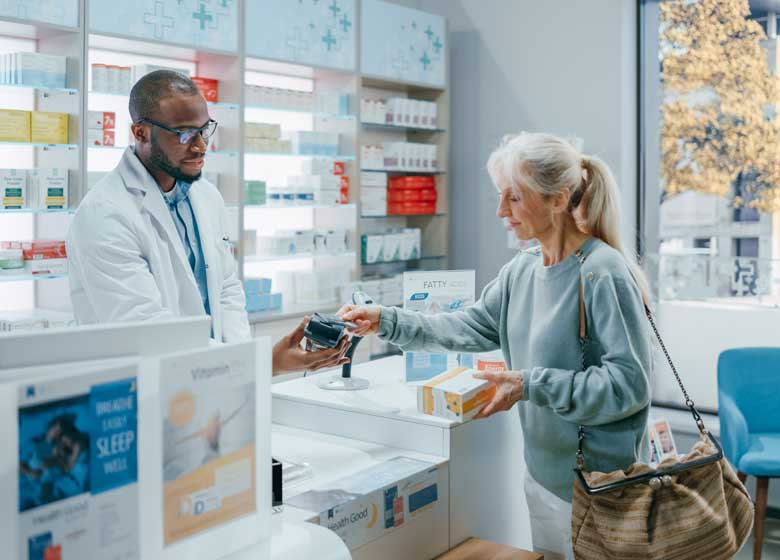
{"x": 569, "y": 318}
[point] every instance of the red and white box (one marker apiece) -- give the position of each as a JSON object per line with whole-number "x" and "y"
{"x": 410, "y": 208}
{"x": 209, "y": 87}
{"x": 100, "y": 137}
{"x": 412, "y": 182}
{"x": 41, "y": 257}
{"x": 411, "y": 195}
{"x": 101, "y": 120}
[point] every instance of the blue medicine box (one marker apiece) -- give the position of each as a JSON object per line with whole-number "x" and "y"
{"x": 255, "y": 303}
{"x": 257, "y": 286}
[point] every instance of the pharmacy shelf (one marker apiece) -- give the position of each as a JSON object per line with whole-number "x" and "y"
{"x": 296, "y": 310}
{"x": 319, "y": 156}
{"x": 7, "y": 277}
{"x": 426, "y": 258}
{"x": 69, "y": 91}
{"x": 301, "y": 112}
{"x": 230, "y": 153}
{"x": 400, "y": 128}
{"x": 301, "y": 207}
{"x": 127, "y": 96}
{"x": 406, "y": 171}
{"x": 38, "y": 211}
{"x": 296, "y": 257}
{"x": 41, "y": 145}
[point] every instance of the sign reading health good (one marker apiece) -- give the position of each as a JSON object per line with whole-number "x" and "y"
{"x": 60, "y": 12}
{"x": 403, "y": 44}
{"x": 311, "y": 32}
{"x": 206, "y": 24}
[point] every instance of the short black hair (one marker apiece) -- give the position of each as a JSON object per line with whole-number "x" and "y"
{"x": 155, "y": 86}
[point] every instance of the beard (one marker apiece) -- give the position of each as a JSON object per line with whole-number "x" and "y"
{"x": 158, "y": 159}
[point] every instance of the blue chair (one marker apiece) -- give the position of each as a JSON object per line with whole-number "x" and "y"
{"x": 749, "y": 410}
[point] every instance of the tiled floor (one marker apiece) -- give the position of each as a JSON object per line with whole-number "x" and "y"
{"x": 771, "y": 549}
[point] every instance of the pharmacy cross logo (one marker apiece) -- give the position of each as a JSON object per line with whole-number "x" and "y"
{"x": 224, "y": 3}
{"x": 297, "y": 43}
{"x": 202, "y": 16}
{"x": 329, "y": 40}
{"x": 437, "y": 45}
{"x": 345, "y": 23}
{"x": 334, "y": 7}
{"x": 160, "y": 21}
{"x": 429, "y": 33}
{"x": 425, "y": 61}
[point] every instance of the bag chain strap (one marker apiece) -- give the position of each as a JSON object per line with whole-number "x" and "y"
{"x": 688, "y": 402}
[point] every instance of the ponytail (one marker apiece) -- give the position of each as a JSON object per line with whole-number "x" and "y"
{"x": 600, "y": 198}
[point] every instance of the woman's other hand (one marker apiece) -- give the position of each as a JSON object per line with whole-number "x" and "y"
{"x": 509, "y": 390}
{"x": 366, "y": 317}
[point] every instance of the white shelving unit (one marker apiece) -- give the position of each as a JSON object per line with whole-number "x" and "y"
{"x": 92, "y": 42}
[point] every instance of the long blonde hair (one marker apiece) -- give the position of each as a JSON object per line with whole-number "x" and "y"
{"x": 548, "y": 164}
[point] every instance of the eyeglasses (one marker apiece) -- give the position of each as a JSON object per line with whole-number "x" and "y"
{"x": 186, "y": 135}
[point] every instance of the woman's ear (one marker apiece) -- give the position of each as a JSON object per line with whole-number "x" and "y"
{"x": 559, "y": 202}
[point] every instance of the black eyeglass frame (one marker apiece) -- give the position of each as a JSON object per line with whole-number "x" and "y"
{"x": 206, "y": 131}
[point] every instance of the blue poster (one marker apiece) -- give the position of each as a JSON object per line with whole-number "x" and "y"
{"x": 312, "y": 32}
{"x": 207, "y": 24}
{"x": 59, "y": 12}
{"x": 399, "y": 43}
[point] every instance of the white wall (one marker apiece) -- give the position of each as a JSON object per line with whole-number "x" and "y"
{"x": 562, "y": 66}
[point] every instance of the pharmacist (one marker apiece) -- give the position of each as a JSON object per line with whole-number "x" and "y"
{"x": 150, "y": 240}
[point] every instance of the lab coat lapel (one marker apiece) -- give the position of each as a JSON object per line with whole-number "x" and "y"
{"x": 136, "y": 176}
{"x": 204, "y": 214}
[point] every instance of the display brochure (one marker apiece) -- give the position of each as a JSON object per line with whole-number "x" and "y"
{"x": 375, "y": 501}
{"x": 77, "y": 466}
{"x": 432, "y": 292}
{"x": 662, "y": 444}
{"x": 208, "y": 440}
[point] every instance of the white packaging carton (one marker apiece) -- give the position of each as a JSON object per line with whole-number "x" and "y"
{"x": 14, "y": 192}
{"x": 372, "y": 247}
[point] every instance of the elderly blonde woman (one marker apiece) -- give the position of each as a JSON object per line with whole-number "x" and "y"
{"x": 569, "y": 318}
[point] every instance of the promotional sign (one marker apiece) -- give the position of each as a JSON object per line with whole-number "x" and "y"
{"x": 208, "y": 440}
{"x": 433, "y": 292}
{"x": 58, "y": 12}
{"x": 315, "y": 32}
{"x": 400, "y": 43}
{"x": 195, "y": 23}
{"x": 78, "y": 467}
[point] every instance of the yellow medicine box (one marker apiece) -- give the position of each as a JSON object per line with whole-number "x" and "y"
{"x": 49, "y": 128}
{"x": 14, "y": 125}
{"x": 454, "y": 395}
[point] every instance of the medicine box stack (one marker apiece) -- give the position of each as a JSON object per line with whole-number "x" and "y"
{"x": 110, "y": 78}
{"x": 41, "y": 257}
{"x": 40, "y": 127}
{"x": 209, "y": 87}
{"x": 36, "y": 189}
{"x": 313, "y": 143}
{"x": 333, "y": 103}
{"x": 391, "y": 246}
{"x": 259, "y": 297}
{"x": 411, "y": 195}
{"x": 100, "y": 128}
{"x": 373, "y": 193}
{"x": 399, "y": 111}
{"x": 33, "y": 69}
{"x": 266, "y": 138}
{"x": 383, "y": 290}
{"x": 409, "y": 156}
{"x": 296, "y": 242}
{"x": 14, "y": 321}
{"x": 312, "y": 287}
{"x": 454, "y": 395}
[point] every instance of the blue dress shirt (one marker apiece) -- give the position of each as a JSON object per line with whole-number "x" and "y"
{"x": 184, "y": 219}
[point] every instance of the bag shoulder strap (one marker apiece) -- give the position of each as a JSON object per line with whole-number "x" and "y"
{"x": 581, "y": 257}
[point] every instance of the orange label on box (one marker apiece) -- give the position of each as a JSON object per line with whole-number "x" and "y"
{"x": 209, "y": 87}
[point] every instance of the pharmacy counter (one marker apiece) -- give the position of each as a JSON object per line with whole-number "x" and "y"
{"x": 406, "y": 517}
{"x": 296, "y": 541}
{"x": 486, "y": 468}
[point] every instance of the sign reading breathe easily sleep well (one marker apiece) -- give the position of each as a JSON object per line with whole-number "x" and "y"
{"x": 312, "y": 32}
{"x": 403, "y": 44}
{"x": 206, "y": 24}
{"x": 60, "y": 12}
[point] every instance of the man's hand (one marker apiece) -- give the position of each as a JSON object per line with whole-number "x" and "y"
{"x": 288, "y": 356}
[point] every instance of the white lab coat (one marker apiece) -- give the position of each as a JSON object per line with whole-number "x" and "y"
{"x": 127, "y": 261}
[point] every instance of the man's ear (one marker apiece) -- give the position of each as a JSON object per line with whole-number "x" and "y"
{"x": 140, "y": 133}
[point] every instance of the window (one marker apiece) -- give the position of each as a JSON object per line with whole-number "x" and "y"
{"x": 710, "y": 149}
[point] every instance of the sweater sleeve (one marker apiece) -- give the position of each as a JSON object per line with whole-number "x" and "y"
{"x": 620, "y": 386}
{"x": 475, "y": 329}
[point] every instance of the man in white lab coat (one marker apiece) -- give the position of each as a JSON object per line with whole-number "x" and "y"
{"x": 150, "y": 240}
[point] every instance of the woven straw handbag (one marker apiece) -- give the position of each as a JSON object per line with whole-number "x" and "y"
{"x": 693, "y": 507}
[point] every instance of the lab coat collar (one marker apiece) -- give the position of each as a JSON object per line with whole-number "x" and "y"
{"x": 137, "y": 177}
